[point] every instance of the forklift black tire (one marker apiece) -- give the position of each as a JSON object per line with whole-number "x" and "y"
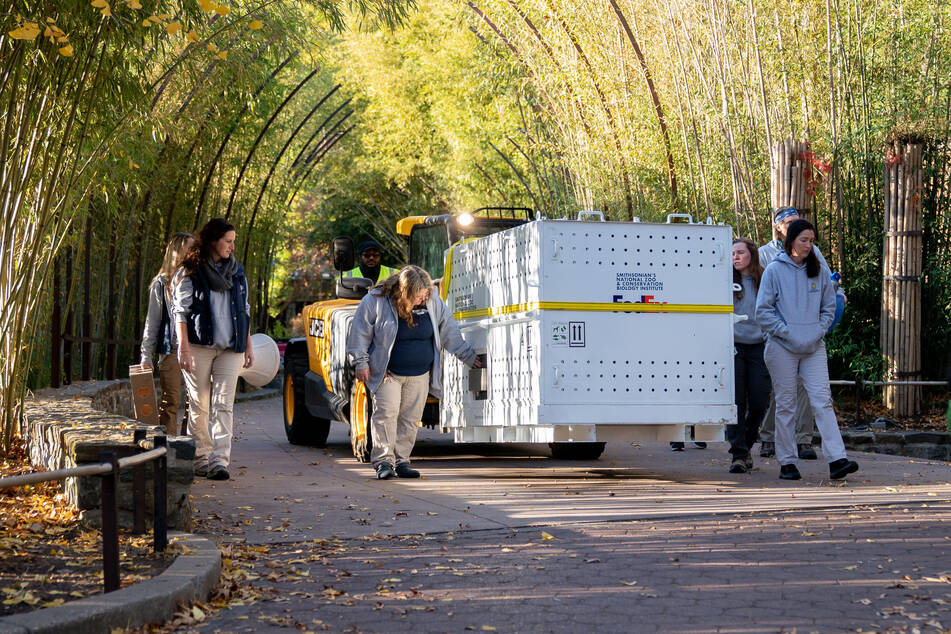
{"x": 300, "y": 426}
{"x": 361, "y": 408}
{"x": 576, "y": 450}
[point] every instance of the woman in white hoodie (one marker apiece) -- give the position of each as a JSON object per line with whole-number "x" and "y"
{"x": 795, "y": 307}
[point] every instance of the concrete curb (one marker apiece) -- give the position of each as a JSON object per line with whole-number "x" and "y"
{"x": 256, "y": 395}
{"x": 190, "y": 577}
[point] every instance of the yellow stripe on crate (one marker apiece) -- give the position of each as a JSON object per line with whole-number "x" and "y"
{"x": 603, "y": 307}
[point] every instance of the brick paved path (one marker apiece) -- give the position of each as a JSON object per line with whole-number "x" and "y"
{"x": 642, "y": 540}
{"x": 858, "y": 569}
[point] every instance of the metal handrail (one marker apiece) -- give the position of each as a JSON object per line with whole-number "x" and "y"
{"x": 51, "y": 476}
{"x": 858, "y": 384}
{"x": 889, "y": 383}
{"x": 108, "y": 468}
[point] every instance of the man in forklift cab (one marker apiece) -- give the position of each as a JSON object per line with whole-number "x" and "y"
{"x": 370, "y": 253}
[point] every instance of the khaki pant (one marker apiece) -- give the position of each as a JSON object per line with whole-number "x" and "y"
{"x": 170, "y": 378}
{"x": 397, "y": 408}
{"x": 211, "y": 385}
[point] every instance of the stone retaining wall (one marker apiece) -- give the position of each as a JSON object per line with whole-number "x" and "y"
{"x": 929, "y": 445}
{"x": 69, "y": 426}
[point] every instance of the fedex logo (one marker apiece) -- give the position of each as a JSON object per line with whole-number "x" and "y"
{"x": 645, "y": 299}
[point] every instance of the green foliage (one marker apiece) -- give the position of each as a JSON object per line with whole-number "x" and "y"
{"x": 134, "y": 118}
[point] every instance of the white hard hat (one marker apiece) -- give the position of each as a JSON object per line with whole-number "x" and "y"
{"x": 267, "y": 359}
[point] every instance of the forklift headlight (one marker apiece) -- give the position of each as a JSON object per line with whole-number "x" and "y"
{"x": 464, "y": 220}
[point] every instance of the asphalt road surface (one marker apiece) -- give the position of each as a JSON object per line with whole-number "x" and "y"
{"x": 503, "y": 538}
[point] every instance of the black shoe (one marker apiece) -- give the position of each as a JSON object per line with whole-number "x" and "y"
{"x": 384, "y": 471}
{"x": 789, "y": 472}
{"x": 748, "y": 461}
{"x": 767, "y": 449}
{"x": 842, "y": 467}
{"x": 403, "y": 471}
{"x": 218, "y": 472}
{"x": 738, "y": 466}
{"x": 676, "y": 446}
{"x": 806, "y": 452}
{"x": 700, "y": 445}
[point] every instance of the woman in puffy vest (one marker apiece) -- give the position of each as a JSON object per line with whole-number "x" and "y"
{"x": 211, "y": 313}
{"x": 159, "y": 335}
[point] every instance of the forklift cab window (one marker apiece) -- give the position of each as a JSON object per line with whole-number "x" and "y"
{"x": 428, "y": 244}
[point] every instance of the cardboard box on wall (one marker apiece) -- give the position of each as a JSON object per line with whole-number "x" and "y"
{"x": 143, "y": 395}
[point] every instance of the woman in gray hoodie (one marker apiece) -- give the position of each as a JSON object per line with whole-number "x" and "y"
{"x": 795, "y": 307}
{"x": 751, "y": 378}
{"x": 394, "y": 343}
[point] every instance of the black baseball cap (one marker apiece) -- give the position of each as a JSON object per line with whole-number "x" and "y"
{"x": 368, "y": 246}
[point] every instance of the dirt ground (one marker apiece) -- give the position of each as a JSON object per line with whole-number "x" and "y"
{"x": 933, "y": 416}
{"x": 47, "y": 557}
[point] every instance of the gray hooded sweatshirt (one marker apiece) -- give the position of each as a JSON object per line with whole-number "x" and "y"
{"x": 373, "y": 333}
{"x": 748, "y": 331}
{"x": 793, "y": 309}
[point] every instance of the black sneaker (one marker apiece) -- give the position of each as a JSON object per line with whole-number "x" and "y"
{"x": 403, "y": 471}
{"x": 738, "y": 466}
{"x": 842, "y": 467}
{"x": 806, "y": 452}
{"x": 384, "y": 471}
{"x": 767, "y": 449}
{"x": 700, "y": 445}
{"x": 676, "y": 446}
{"x": 789, "y": 472}
{"x": 218, "y": 472}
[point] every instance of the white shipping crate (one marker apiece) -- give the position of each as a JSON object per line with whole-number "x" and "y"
{"x": 564, "y": 363}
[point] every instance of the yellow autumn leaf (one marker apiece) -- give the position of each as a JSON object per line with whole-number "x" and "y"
{"x": 106, "y": 11}
{"x": 27, "y": 31}
{"x": 134, "y": 4}
{"x": 191, "y": 36}
{"x": 146, "y": 23}
{"x": 254, "y": 25}
{"x": 197, "y": 613}
{"x": 67, "y": 51}
{"x": 99, "y": 4}
{"x": 222, "y": 10}
{"x": 212, "y": 48}
{"x": 173, "y": 28}
{"x": 207, "y": 5}
{"x": 223, "y": 55}
{"x": 63, "y": 40}
{"x": 547, "y": 536}
{"x": 488, "y": 628}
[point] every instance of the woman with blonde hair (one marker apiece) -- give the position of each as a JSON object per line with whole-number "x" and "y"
{"x": 159, "y": 335}
{"x": 394, "y": 343}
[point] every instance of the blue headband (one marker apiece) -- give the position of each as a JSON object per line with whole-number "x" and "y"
{"x": 784, "y": 213}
